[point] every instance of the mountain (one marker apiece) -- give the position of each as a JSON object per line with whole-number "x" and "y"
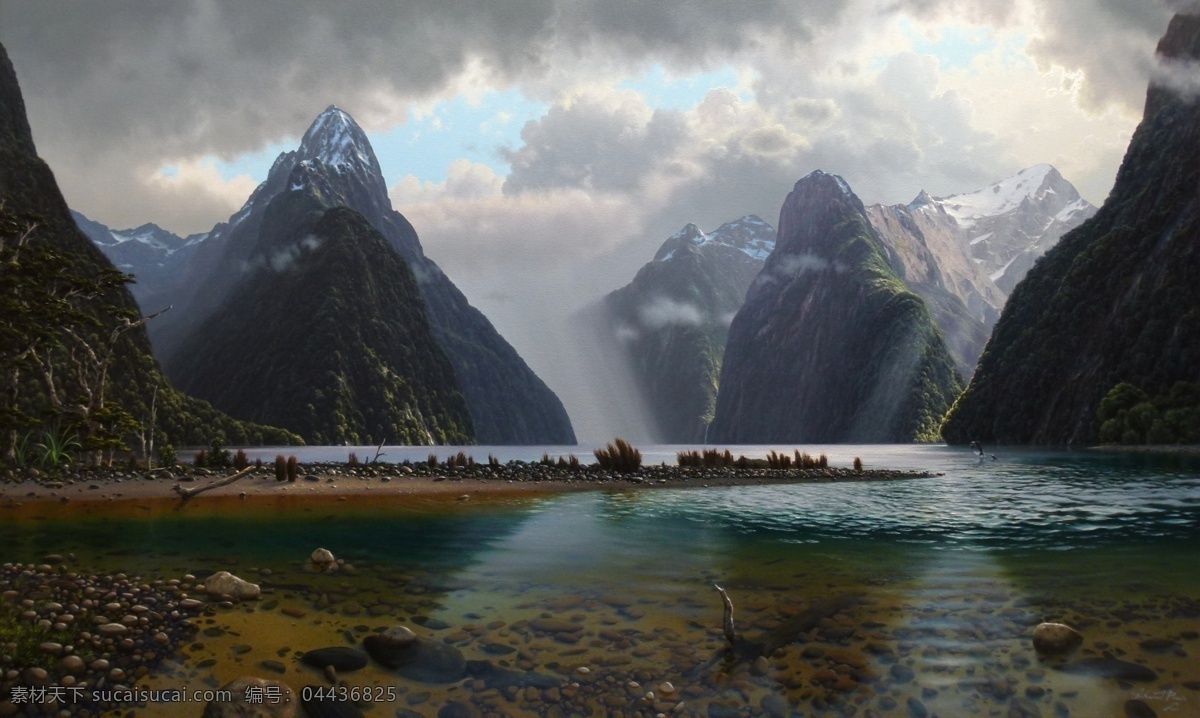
{"x": 925, "y": 247}
{"x": 830, "y": 345}
{"x": 79, "y": 316}
{"x": 157, "y": 258}
{"x": 336, "y": 165}
{"x": 1115, "y": 300}
{"x": 963, "y": 253}
{"x": 673, "y": 318}
{"x": 1016, "y": 220}
{"x": 328, "y": 337}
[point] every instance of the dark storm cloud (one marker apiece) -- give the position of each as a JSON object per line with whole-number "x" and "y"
{"x": 225, "y": 74}
{"x": 115, "y": 89}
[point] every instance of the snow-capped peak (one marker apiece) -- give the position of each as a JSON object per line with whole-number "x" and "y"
{"x": 922, "y": 200}
{"x": 1032, "y": 183}
{"x": 748, "y": 234}
{"x": 335, "y": 139}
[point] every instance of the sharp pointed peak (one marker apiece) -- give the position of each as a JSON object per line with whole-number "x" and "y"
{"x": 336, "y": 139}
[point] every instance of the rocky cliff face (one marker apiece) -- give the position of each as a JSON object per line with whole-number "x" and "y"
{"x": 1115, "y": 300}
{"x": 335, "y": 164}
{"x": 671, "y": 321}
{"x": 29, "y": 193}
{"x": 830, "y": 345}
{"x": 925, "y": 246}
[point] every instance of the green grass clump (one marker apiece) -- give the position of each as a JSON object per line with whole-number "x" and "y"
{"x": 27, "y": 636}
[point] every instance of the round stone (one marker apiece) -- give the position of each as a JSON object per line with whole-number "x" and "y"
{"x": 1055, "y": 639}
{"x": 112, "y": 629}
{"x": 73, "y": 664}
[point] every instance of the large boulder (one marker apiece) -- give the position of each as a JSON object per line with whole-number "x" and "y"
{"x": 401, "y": 650}
{"x": 223, "y": 583}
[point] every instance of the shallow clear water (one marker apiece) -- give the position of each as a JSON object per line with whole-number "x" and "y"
{"x": 923, "y": 592}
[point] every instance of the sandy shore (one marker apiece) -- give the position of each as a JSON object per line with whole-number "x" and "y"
{"x": 348, "y": 482}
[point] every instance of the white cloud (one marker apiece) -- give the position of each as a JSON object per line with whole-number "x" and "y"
{"x": 664, "y": 311}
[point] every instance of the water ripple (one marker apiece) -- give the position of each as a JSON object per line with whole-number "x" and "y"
{"x": 1029, "y": 499}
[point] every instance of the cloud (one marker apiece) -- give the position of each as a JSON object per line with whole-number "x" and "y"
{"x": 469, "y": 225}
{"x": 465, "y": 180}
{"x": 794, "y": 265}
{"x": 1180, "y": 76}
{"x": 1114, "y": 69}
{"x": 605, "y": 140}
{"x": 113, "y": 88}
{"x": 282, "y": 259}
{"x": 664, "y": 311}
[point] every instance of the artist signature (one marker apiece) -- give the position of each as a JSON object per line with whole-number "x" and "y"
{"x": 1172, "y": 701}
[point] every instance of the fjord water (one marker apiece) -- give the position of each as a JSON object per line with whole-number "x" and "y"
{"x": 910, "y": 596}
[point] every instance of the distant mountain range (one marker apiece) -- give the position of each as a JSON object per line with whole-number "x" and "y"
{"x": 1101, "y": 340}
{"x": 670, "y": 323}
{"x": 157, "y": 258}
{"x": 205, "y": 277}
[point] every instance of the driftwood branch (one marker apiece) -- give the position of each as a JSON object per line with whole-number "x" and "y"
{"x": 189, "y": 493}
{"x": 379, "y": 452}
{"x": 727, "y": 618}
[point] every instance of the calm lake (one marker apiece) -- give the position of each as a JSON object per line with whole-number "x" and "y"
{"x": 907, "y": 598}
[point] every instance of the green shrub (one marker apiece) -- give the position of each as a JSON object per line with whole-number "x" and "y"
{"x": 218, "y": 456}
{"x": 167, "y": 455}
{"x": 1127, "y": 415}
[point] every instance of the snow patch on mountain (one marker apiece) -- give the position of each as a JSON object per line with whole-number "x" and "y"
{"x": 1001, "y": 197}
{"x": 749, "y": 235}
{"x": 336, "y": 140}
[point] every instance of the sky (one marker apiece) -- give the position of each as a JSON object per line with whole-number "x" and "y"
{"x": 544, "y": 149}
